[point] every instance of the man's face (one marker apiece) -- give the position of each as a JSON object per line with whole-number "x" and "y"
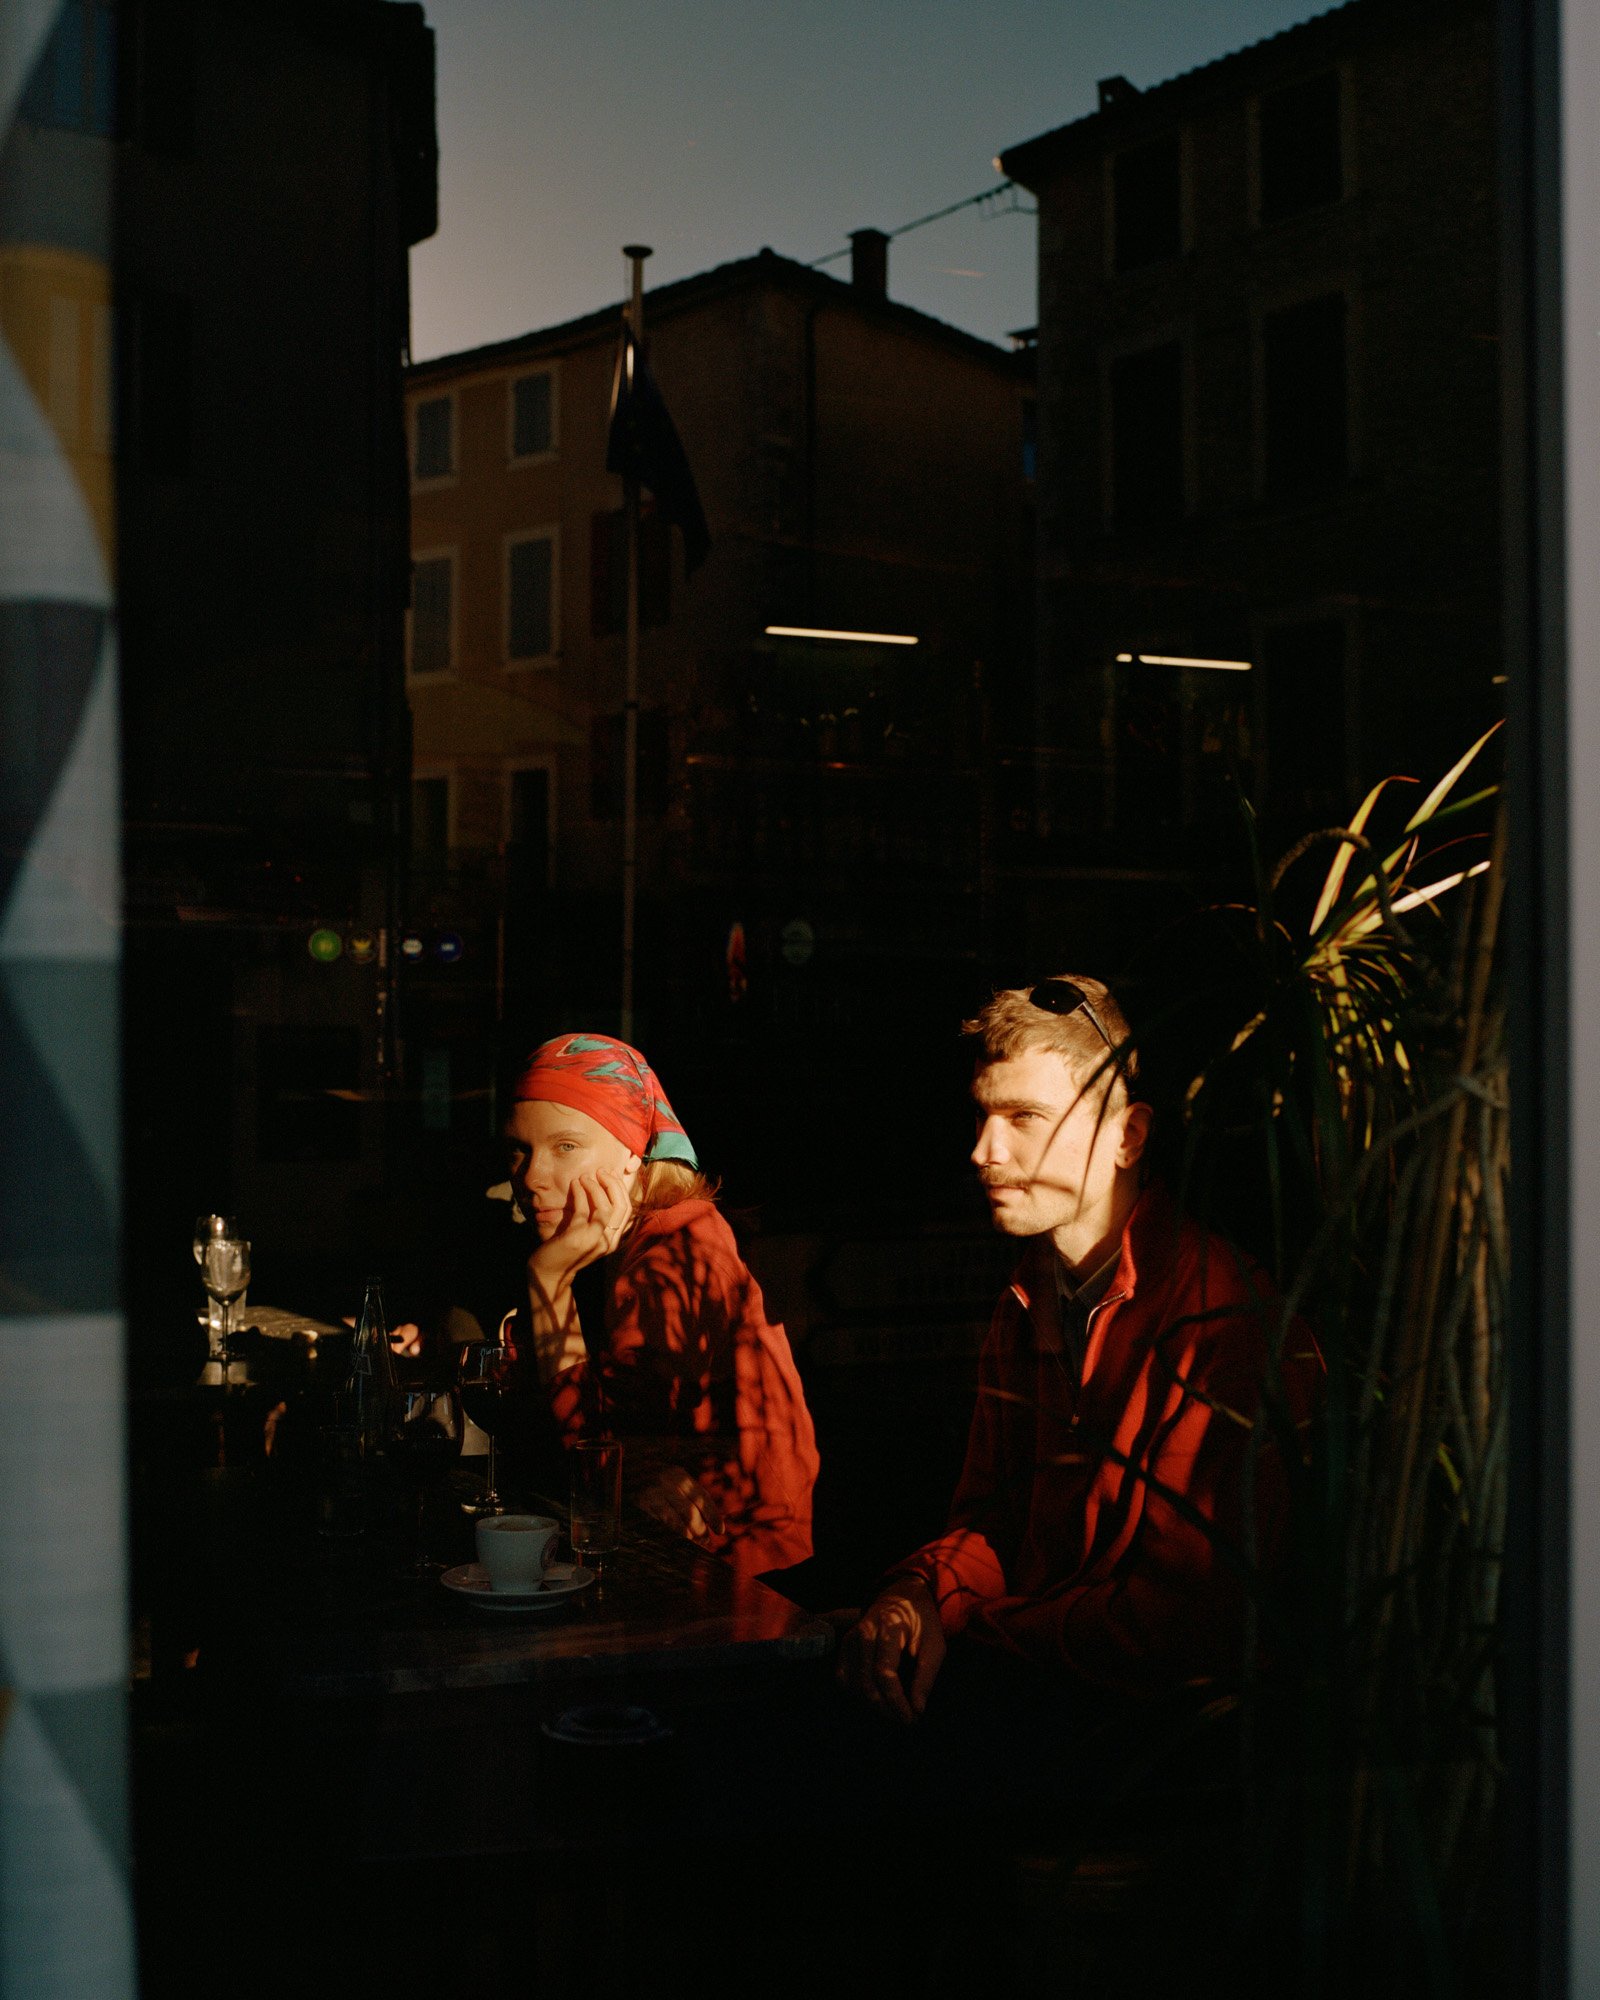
{"x": 548, "y": 1146}
{"x": 1049, "y": 1145}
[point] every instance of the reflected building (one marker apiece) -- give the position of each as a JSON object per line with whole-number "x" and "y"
{"x": 1268, "y": 434}
{"x": 811, "y": 810}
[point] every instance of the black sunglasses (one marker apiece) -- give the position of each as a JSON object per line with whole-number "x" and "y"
{"x": 1060, "y": 996}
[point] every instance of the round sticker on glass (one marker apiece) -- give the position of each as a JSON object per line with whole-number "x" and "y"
{"x": 411, "y": 946}
{"x": 449, "y": 947}
{"x": 324, "y": 946}
{"x": 797, "y": 942}
{"x": 363, "y": 947}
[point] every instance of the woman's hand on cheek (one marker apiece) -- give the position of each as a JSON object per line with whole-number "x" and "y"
{"x": 611, "y": 1204}
{"x": 599, "y": 1209}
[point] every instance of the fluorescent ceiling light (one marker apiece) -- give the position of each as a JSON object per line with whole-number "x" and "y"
{"x": 1182, "y": 660}
{"x": 858, "y": 638}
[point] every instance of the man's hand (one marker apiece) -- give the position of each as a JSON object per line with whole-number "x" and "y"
{"x": 599, "y": 1210}
{"x": 901, "y": 1624}
{"x": 681, "y": 1504}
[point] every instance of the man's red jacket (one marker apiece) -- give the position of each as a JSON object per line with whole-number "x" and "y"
{"x": 1089, "y": 1526}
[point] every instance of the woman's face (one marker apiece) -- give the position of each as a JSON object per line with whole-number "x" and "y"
{"x": 549, "y": 1145}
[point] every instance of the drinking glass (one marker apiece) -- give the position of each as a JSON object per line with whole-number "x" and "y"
{"x": 484, "y": 1376}
{"x": 205, "y": 1227}
{"x": 596, "y": 1494}
{"x": 225, "y": 1273}
{"x": 422, "y": 1442}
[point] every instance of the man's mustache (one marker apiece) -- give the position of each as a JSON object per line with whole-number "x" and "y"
{"x": 999, "y": 1181}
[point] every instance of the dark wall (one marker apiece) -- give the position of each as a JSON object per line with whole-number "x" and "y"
{"x": 275, "y": 162}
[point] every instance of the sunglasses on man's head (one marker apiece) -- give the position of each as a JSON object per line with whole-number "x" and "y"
{"x": 1060, "y": 996}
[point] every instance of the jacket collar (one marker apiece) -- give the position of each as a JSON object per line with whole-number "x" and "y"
{"x": 1149, "y": 1242}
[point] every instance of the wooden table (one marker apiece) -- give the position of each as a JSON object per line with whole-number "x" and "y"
{"x": 276, "y": 1604}
{"x": 319, "y": 1624}
{"x": 358, "y": 1769}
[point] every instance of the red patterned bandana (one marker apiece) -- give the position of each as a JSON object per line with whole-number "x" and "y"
{"x": 615, "y": 1086}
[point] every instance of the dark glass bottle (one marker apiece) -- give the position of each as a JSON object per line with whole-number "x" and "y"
{"x": 371, "y": 1388}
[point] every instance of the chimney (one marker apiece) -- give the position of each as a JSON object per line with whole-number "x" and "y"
{"x": 869, "y": 262}
{"x": 1116, "y": 91}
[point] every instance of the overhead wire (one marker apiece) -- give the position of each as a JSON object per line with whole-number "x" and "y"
{"x": 1015, "y": 207}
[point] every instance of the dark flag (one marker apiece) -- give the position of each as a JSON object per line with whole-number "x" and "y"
{"x": 643, "y": 443}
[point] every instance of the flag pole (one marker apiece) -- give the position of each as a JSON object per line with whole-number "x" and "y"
{"x": 635, "y": 253}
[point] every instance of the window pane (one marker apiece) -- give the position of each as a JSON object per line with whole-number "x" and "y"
{"x": 1307, "y": 443}
{"x": 431, "y": 589}
{"x": 530, "y": 416}
{"x": 608, "y": 571}
{"x": 158, "y": 386}
{"x": 161, "y": 112}
{"x": 530, "y": 829}
{"x": 1146, "y": 204}
{"x": 308, "y": 1080}
{"x": 435, "y": 455}
{"x": 1302, "y": 163}
{"x": 430, "y": 815}
{"x": 1147, "y": 437}
{"x": 530, "y": 807}
{"x": 530, "y": 590}
{"x": 607, "y": 745}
{"x": 1303, "y": 687}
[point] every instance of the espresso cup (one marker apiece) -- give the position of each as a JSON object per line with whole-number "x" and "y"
{"x": 515, "y": 1549}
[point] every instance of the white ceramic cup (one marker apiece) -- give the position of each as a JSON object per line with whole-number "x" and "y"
{"x": 515, "y": 1549}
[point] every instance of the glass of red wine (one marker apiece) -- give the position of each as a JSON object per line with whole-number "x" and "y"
{"x": 423, "y": 1441}
{"x": 484, "y": 1374}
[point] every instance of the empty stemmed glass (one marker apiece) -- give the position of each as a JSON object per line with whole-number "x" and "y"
{"x": 224, "y": 1259}
{"x": 422, "y": 1442}
{"x": 484, "y": 1374}
{"x": 203, "y": 1226}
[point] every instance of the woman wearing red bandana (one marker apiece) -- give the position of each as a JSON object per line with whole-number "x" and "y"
{"x": 671, "y": 1349}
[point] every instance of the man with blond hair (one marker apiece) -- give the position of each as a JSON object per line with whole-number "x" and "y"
{"x": 1120, "y": 1471}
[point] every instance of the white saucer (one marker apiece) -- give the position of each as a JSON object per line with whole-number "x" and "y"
{"x": 561, "y": 1581}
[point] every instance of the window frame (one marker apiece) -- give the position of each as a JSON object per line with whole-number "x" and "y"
{"x": 435, "y": 481}
{"x": 432, "y": 675}
{"x": 514, "y": 458}
{"x": 521, "y": 662}
{"x": 1349, "y": 182}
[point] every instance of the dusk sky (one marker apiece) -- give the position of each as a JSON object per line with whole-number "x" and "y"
{"x": 707, "y": 128}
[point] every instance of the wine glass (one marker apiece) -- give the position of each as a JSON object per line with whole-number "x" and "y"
{"x": 422, "y": 1442}
{"x": 484, "y": 1374}
{"x": 205, "y": 1226}
{"x": 225, "y": 1273}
